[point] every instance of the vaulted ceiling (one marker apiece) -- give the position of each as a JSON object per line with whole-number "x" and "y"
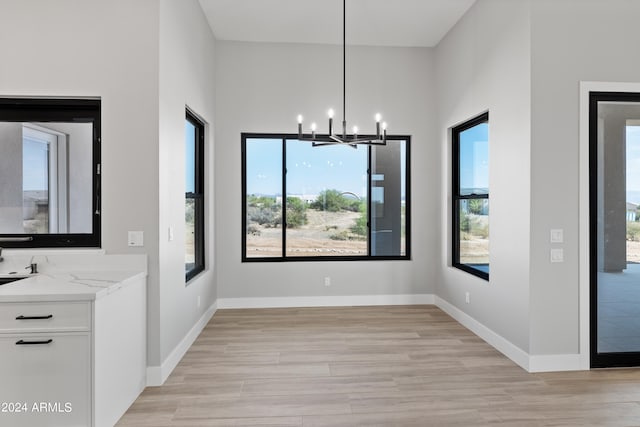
{"x": 414, "y": 23}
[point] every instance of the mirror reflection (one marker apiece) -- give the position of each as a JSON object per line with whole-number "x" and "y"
{"x": 46, "y": 177}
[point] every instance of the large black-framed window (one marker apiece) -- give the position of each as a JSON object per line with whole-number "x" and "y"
{"x": 50, "y": 172}
{"x": 194, "y": 195}
{"x": 470, "y": 189}
{"x": 330, "y": 203}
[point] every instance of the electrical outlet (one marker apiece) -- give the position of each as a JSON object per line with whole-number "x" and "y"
{"x": 327, "y": 281}
{"x": 556, "y": 236}
{"x": 557, "y": 255}
{"x": 136, "y": 238}
{"x": 467, "y": 297}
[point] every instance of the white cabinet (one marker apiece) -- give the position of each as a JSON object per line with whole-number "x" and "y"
{"x": 50, "y": 383}
{"x": 46, "y": 364}
{"x": 73, "y": 363}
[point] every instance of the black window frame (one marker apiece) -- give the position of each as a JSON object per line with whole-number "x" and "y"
{"x": 284, "y": 257}
{"x": 68, "y": 110}
{"x": 457, "y": 197}
{"x": 198, "y": 196}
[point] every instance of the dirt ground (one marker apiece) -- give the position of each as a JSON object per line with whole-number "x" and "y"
{"x": 633, "y": 251}
{"x": 312, "y": 239}
{"x": 474, "y": 251}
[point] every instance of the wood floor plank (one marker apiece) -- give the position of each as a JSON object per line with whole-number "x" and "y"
{"x": 370, "y": 366}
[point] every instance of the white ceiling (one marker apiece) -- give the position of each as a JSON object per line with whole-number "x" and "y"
{"x": 369, "y": 22}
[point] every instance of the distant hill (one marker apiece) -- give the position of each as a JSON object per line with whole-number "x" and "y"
{"x": 633, "y": 197}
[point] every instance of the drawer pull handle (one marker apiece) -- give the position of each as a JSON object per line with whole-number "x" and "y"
{"x": 34, "y": 317}
{"x": 23, "y": 342}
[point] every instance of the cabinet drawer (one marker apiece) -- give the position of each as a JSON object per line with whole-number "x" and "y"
{"x": 46, "y": 382}
{"x": 45, "y": 316}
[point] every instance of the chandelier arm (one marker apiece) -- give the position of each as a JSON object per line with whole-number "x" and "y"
{"x": 344, "y": 68}
{"x": 345, "y": 139}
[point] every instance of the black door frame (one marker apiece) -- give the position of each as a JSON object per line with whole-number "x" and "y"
{"x": 601, "y": 360}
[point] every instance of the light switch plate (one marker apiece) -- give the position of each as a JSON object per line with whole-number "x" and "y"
{"x": 557, "y": 236}
{"x": 557, "y": 255}
{"x": 136, "y": 238}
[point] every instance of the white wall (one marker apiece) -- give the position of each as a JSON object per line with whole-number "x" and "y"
{"x": 483, "y": 64}
{"x": 11, "y": 212}
{"x": 262, "y": 88}
{"x": 186, "y": 78}
{"x": 146, "y": 60}
{"x": 93, "y": 48}
{"x": 79, "y": 172}
{"x": 572, "y": 41}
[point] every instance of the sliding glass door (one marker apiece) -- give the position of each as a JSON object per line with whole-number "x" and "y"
{"x": 615, "y": 228}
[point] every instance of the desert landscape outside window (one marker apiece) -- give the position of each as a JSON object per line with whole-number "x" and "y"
{"x": 334, "y": 202}
{"x": 194, "y": 196}
{"x": 470, "y": 153}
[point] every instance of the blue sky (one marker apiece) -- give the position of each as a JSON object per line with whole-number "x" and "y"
{"x": 474, "y": 157}
{"x": 310, "y": 170}
{"x": 35, "y": 172}
{"x": 633, "y": 164}
{"x": 190, "y": 144}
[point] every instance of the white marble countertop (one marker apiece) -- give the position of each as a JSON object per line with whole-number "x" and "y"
{"x": 67, "y": 286}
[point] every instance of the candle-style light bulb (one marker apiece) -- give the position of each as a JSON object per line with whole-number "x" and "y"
{"x": 330, "y": 114}
{"x": 378, "y": 118}
{"x": 355, "y": 130}
{"x": 384, "y": 125}
{"x": 313, "y": 127}
{"x": 299, "y": 126}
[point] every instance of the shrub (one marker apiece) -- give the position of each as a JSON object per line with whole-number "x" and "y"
{"x": 263, "y": 210}
{"x": 296, "y": 212}
{"x": 335, "y": 201}
{"x": 633, "y": 231}
{"x": 475, "y": 206}
{"x": 346, "y": 235}
{"x": 360, "y": 228}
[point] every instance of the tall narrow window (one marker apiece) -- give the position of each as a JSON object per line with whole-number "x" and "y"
{"x": 471, "y": 196}
{"x": 194, "y": 196}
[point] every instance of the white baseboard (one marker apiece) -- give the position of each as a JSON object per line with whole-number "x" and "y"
{"x": 326, "y": 301}
{"x": 501, "y": 344}
{"x": 555, "y": 363}
{"x": 157, "y": 375}
{"x": 530, "y": 363}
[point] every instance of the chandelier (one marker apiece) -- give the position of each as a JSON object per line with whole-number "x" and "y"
{"x": 333, "y": 138}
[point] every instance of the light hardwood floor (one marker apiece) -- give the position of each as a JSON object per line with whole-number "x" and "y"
{"x": 370, "y": 366}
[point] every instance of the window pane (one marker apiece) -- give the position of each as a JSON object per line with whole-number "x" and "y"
{"x": 263, "y": 197}
{"x": 35, "y": 183}
{"x": 474, "y": 233}
{"x": 190, "y": 241}
{"x": 190, "y": 156}
{"x": 474, "y": 160}
{"x": 388, "y": 201}
{"x": 326, "y": 200}
{"x": 194, "y": 196}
